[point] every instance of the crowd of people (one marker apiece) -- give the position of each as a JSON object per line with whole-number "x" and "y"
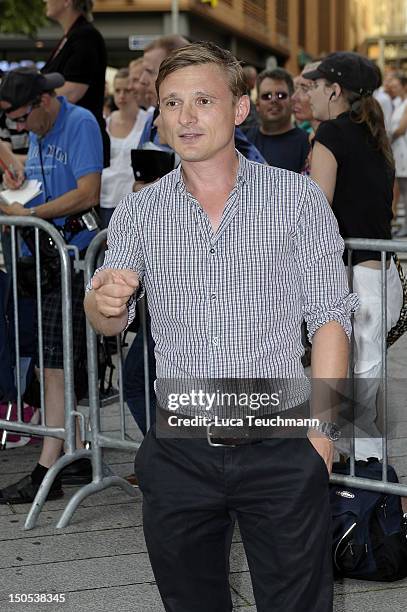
{"x": 271, "y": 172}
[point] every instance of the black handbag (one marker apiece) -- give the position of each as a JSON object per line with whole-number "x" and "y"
{"x": 368, "y": 527}
{"x": 401, "y": 326}
{"x": 50, "y": 265}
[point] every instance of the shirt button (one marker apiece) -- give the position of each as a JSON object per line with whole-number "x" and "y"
{"x": 212, "y": 251}
{"x": 215, "y": 340}
{"x": 213, "y": 296}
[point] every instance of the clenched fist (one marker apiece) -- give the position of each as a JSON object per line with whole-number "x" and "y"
{"x": 113, "y": 289}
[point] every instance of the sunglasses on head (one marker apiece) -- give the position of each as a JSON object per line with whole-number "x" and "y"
{"x": 269, "y": 95}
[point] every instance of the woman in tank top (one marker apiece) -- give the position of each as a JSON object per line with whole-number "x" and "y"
{"x": 124, "y": 127}
{"x": 353, "y": 164}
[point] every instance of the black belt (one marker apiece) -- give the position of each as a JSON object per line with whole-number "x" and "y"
{"x": 216, "y": 434}
{"x": 234, "y": 441}
{"x": 214, "y": 440}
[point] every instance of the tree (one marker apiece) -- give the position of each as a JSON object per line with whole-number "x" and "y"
{"x": 21, "y": 16}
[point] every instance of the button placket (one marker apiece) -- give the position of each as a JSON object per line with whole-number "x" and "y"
{"x": 212, "y": 299}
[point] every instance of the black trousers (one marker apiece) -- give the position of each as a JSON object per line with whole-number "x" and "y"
{"x": 277, "y": 490}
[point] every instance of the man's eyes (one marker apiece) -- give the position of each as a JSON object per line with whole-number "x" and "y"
{"x": 199, "y": 101}
{"x": 172, "y": 103}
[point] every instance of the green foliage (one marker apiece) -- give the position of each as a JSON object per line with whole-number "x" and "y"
{"x": 21, "y": 16}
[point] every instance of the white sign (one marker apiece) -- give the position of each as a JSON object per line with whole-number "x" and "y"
{"x": 137, "y": 42}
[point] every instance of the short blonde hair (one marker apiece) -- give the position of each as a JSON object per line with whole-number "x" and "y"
{"x": 205, "y": 52}
{"x": 122, "y": 73}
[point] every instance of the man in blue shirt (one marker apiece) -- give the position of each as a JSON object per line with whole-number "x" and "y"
{"x": 66, "y": 156}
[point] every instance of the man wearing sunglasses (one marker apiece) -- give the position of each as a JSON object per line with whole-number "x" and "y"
{"x": 66, "y": 155}
{"x": 280, "y": 143}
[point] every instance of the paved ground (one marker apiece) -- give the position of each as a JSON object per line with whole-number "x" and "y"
{"x": 100, "y": 563}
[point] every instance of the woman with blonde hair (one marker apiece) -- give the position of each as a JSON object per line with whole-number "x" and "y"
{"x": 124, "y": 127}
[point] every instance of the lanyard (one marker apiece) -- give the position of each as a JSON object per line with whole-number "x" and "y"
{"x": 47, "y": 197}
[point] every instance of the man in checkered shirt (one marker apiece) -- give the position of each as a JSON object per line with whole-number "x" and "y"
{"x": 232, "y": 255}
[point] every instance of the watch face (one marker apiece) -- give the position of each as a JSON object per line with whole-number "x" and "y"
{"x": 333, "y": 432}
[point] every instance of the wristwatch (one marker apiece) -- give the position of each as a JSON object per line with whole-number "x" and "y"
{"x": 33, "y": 212}
{"x": 330, "y": 430}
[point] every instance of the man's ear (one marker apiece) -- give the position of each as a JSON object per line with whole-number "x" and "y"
{"x": 45, "y": 100}
{"x": 242, "y": 109}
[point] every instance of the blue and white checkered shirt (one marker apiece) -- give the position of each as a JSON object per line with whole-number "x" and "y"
{"x": 230, "y": 304}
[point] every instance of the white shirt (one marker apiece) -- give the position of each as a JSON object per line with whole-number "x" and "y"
{"x": 399, "y": 146}
{"x": 118, "y": 178}
{"x": 387, "y": 106}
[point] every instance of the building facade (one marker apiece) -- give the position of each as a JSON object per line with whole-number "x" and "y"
{"x": 291, "y": 31}
{"x": 284, "y": 32}
{"x": 378, "y": 28}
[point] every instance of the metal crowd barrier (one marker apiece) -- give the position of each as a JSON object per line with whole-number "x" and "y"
{"x": 68, "y": 431}
{"x": 384, "y": 246}
{"x": 103, "y": 477}
{"x": 100, "y": 440}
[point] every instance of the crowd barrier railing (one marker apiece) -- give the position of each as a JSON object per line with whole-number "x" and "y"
{"x": 103, "y": 477}
{"x": 100, "y": 441}
{"x": 67, "y": 432}
{"x": 351, "y": 480}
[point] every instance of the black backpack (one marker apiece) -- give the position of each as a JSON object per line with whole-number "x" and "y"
{"x": 369, "y": 530}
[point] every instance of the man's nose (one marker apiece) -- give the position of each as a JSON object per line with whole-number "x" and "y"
{"x": 187, "y": 114}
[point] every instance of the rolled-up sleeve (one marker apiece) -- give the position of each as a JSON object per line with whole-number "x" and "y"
{"x": 124, "y": 248}
{"x": 318, "y": 254}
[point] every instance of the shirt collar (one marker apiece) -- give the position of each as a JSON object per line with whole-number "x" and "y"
{"x": 243, "y": 172}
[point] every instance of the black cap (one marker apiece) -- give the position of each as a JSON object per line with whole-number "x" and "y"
{"x": 350, "y": 70}
{"x": 23, "y": 85}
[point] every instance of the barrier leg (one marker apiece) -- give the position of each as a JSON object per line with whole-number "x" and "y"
{"x": 46, "y": 484}
{"x": 89, "y": 489}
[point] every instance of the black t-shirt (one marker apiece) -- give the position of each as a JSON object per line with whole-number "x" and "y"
{"x": 364, "y": 183}
{"x": 288, "y": 150}
{"x": 81, "y": 57}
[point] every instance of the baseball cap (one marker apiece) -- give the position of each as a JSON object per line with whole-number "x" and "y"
{"x": 350, "y": 70}
{"x": 23, "y": 85}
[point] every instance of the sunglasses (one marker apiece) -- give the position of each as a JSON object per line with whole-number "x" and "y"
{"x": 269, "y": 95}
{"x": 24, "y": 117}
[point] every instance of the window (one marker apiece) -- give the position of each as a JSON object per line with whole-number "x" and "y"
{"x": 282, "y": 17}
{"x": 302, "y": 24}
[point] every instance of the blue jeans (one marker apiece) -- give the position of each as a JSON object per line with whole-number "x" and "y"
{"x": 133, "y": 379}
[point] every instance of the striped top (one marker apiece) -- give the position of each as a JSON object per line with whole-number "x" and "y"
{"x": 230, "y": 304}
